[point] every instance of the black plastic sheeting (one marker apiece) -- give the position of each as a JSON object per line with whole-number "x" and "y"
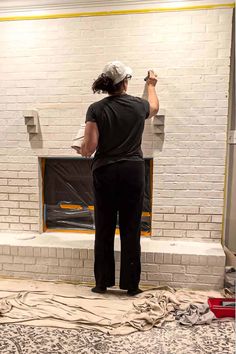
{"x": 68, "y": 195}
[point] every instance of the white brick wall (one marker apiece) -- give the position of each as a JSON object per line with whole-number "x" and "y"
{"x": 49, "y": 66}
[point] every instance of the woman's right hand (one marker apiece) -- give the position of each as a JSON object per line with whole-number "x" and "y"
{"x": 151, "y": 78}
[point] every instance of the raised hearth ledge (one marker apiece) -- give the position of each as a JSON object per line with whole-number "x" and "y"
{"x": 86, "y": 241}
{"x": 70, "y": 257}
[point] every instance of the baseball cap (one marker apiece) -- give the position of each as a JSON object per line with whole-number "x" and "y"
{"x": 116, "y": 71}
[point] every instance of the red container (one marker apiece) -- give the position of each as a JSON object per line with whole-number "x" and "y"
{"x": 215, "y": 305}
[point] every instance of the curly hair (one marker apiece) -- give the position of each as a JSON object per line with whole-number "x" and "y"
{"x": 105, "y": 84}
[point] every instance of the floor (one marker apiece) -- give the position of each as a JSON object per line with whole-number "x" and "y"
{"x": 170, "y": 338}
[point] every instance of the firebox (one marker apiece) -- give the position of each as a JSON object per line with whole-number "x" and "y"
{"x": 68, "y": 201}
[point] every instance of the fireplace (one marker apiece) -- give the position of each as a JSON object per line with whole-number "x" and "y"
{"x": 68, "y": 202}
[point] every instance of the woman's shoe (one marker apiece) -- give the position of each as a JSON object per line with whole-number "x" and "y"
{"x": 133, "y": 292}
{"x": 99, "y": 290}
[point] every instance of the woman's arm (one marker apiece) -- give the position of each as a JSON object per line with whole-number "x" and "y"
{"x": 90, "y": 141}
{"x": 151, "y": 92}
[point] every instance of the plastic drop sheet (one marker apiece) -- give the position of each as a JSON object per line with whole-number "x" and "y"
{"x": 68, "y": 195}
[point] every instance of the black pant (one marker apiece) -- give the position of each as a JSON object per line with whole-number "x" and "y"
{"x": 118, "y": 187}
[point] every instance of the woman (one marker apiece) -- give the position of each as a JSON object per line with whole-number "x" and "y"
{"x": 114, "y": 127}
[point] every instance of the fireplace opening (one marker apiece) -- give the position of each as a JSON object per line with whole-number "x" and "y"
{"x": 68, "y": 202}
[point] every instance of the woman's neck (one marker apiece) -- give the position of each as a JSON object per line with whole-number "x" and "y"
{"x": 117, "y": 93}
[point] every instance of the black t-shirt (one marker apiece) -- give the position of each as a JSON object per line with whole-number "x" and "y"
{"x": 120, "y": 120}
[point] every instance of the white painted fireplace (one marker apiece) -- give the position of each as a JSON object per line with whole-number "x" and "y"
{"x": 48, "y": 66}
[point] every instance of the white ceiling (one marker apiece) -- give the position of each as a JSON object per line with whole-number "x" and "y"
{"x": 22, "y": 7}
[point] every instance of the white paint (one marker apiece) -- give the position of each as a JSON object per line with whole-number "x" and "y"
{"x": 84, "y": 241}
{"x": 49, "y": 66}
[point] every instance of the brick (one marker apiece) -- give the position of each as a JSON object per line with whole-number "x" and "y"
{"x": 10, "y": 219}
{"x": 175, "y": 217}
{"x": 187, "y": 210}
{"x": 4, "y": 196}
{"x": 185, "y": 278}
{"x": 6, "y": 250}
{"x": 117, "y": 256}
{"x": 88, "y": 272}
{"x": 19, "y": 211}
{"x": 175, "y": 233}
{"x": 88, "y": 279}
{"x": 203, "y": 260}
{"x": 29, "y": 219}
{"x": 211, "y": 210}
{"x": 156, "y": 233}
{"x": 217, "y": 218}
{"x": 157, "y": 217}
{"x": 77, "y": 271}
{"x": 216, "y": 260}
{"x": 163, "y": 209}
{"x": 218, "y": 271}
{"x": 13, "y": 250}
{"x": 163, "y": 225}
{"x": 29, "y": 251}
{"x": 70, "y": 263}
{"x": 29, "y": 205}
{"x": 36, "y": 268}
{"x": 151, "y": 268}
{"x": 47, "y": 261}
{"x": 168, "y": 258}
{"x": 20, "y": 227}
{"x": 176, "y": 258}
{"x": 67, "y": 252}
{"x": 44, "y": 252}
{"x": 83, "y": 254}
{"x": 37, "y": 251}
{"x": 34, "y": 212}
{"x": 210, "y": 226}
{"x": 24, "y": 260}
{"x": 199, "y": 218}
{"x": 75, "y": 254}
{"x": 198, "y": 234}
{"x": 166, "y": 268}
{"x": 60, "y": 253}
{"x": 150, "y": 257}
{"x": 159, "y": 258}
{"x": 21, "y": 251}
{"x": 58, "y": 270}
{"x": 35, "y": 227}
{"x": 91, "y": 254}
{"x": 199, "y": 269}
{"x": 88, "y": 264}
{"x": 14, "y": 267}
{"x": 52, "y": 252}
{"x": 186, "y": 225}
{"x": 4, "y": 211}
{"x": 143, "y": 276}
{"x": 4, "y": 226}
{"x": 216, "y": 234}
{"x": 157, "y": 276}
{"x": 20, "y": 197}
{"x": 17, "y": 182}
{"x": 190, "y": 259}
{"x": 210, "y": 279}
{"x": 6, "y": 259}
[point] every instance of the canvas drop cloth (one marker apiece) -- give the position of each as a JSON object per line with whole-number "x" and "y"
{"x": 73, "y": 306}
